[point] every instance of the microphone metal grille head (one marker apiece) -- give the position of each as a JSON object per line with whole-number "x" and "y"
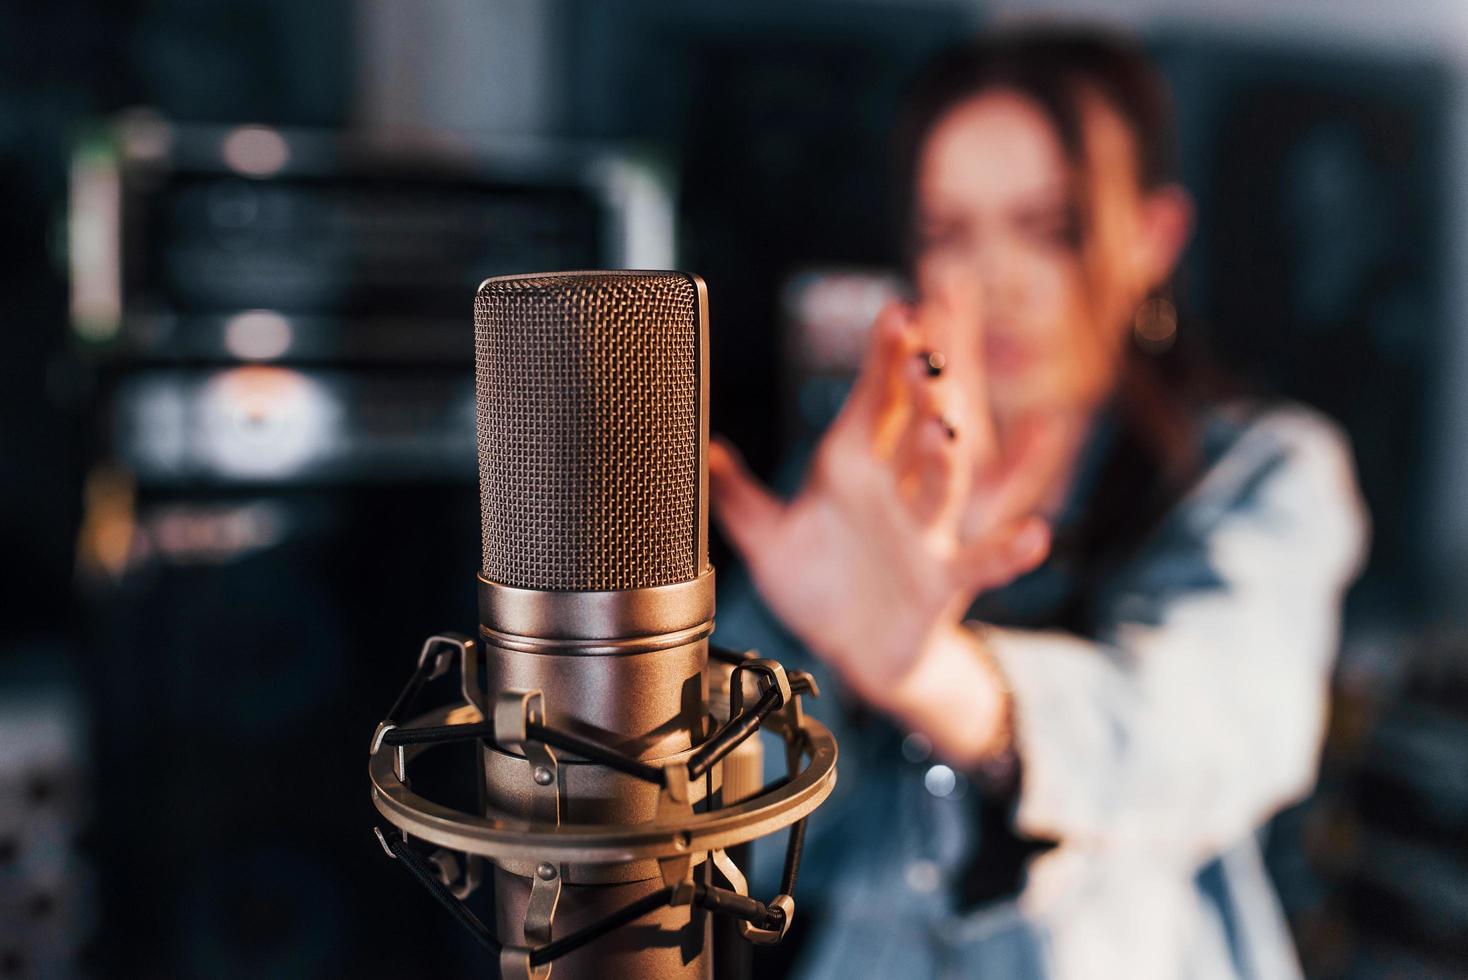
{"x": 591, "y": 401}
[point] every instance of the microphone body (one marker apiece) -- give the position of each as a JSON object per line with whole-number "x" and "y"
{"x": 617, "y": 764}
{"x": 595, "y": 588}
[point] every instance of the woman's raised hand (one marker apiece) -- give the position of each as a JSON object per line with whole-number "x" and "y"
{"x": 908, "y": 511}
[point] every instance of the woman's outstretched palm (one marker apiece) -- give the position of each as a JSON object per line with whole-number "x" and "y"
{"x": 908, "y": 510}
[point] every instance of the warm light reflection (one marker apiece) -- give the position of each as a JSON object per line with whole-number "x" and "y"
{"x": 105, "y": 539}
{"x": 1155, "y": 325}
{"x": 265, "y": 421}
{"x": 257, "y": 335}
{"x": 201, "y": 534}
{"x": 255, "y": 151}
{"x": 94, "y": 242}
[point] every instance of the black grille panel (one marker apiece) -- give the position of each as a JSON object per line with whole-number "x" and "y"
{"x": 589, "y": 397}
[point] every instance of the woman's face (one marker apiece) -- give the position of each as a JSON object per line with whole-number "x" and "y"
{"x": 998, "y": 207}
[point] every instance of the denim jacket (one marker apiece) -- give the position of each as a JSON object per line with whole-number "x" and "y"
{"x": 1153, "y": 747}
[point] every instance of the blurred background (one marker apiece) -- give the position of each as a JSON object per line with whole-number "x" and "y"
{"x": 237, "y": 460}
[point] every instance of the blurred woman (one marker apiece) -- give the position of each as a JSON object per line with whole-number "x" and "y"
{"x": 1082, "y": 608}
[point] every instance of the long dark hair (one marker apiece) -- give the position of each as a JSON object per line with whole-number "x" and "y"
{"x": 1161, "y": 394}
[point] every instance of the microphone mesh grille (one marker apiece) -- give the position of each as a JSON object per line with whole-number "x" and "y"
{"x": 588, "y": 412}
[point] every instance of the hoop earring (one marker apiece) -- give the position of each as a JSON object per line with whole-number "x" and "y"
{"x": 1154, "y": 326}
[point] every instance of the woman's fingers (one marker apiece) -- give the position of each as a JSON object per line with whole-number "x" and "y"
{"x": 1017, "y": 483}
{"x": 1004, "y": 556}
{"x": 746, "y": 510}
{"x": 932, "y": 458}
{"x": 951, "y": 317}
{"x": 927, "y": 464}
{"x": 875, "y": 411}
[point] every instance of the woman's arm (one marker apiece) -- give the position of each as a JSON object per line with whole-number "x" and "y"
{"x": 1203, "y": 712}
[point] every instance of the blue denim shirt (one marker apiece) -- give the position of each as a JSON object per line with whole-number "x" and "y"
{"x": 1153, "y": 747}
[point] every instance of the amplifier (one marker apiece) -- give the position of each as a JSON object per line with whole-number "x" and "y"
{"x": 252, "y": 243}
{"x": 272, "y": 424}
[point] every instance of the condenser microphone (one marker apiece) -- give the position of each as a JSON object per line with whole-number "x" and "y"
{"x": 596, "y": 588}
{"x": 605, "y": 811}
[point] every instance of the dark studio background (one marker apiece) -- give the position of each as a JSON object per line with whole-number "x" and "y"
{"x": 237, "y": 483}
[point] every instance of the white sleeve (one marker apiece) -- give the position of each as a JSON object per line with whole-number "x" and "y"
{"x": 1203, "y": 712}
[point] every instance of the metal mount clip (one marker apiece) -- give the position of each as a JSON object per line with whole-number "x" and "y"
{"x": 515, "y": 965}
{"x": 540, "y": 912}
{"x": 748, "y": 930}
{"x": 446, "y": 863}
{"x": 759, "y": 665}
{"x": 674, "y": 807}
{"x": 441, "y": 648}
{"x": 514, "y": 712}
{"x": 433, "y": 662}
